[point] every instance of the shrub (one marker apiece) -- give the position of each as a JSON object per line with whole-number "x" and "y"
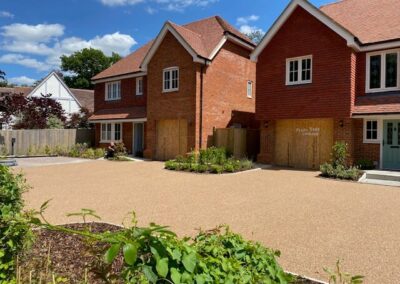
{"x": 120, "y": 149}
{"x": 213, "y": 155}
{"x": 88, "y": 154}
{"x": 202, "y": 169}
{"x": 217, "y": 169}
{"x": 246, "y": 164}
{"x": 171, "y": 165}
{"x": 14, "y": 230}
{"x": 99, "y": 153}
{"x": 77, "y": 150}
{"x": 185, "y": 166}
{"x": 365, "y": 164}
{"x": 339, "y": 154}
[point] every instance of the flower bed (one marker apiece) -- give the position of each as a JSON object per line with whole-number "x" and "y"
{"x": 212, "y": 160}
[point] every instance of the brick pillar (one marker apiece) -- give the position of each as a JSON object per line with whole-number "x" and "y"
{"x": 267, "y": 143}
{"x": 344, "y": 131}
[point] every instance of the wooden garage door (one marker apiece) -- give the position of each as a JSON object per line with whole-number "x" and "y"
{"x": 303, "y": 143}
{"x": 171, "y": 138}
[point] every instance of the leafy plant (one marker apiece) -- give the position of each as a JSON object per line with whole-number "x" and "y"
{"x": 14, "y": 230}
{"x": 365, "y": 164}
{"x": 337, "y": 276}
{"x": 339, "y": 154}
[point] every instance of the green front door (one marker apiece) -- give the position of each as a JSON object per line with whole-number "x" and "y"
{"x": 391, "y": 144}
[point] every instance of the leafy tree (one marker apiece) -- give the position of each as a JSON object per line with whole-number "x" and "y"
{"x": 2, "y": 75}
{"x": 30, "y": 113}
{"x": 3, "y": 81}
{"x": 84, "y": 65}
{"x": 256, "y": 36}
{"x": 80, "y": 119}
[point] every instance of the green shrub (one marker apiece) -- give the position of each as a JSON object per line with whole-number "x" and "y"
{"x": 340, "y": 172}
{"x": 14, "y": 230}
{"x": 194, "y": 167}
{"x": 3, "y": 151}
{"x": 213, "y": 155}
{"x": 120, "y": 149}
{"x": 77, "y": 150}
{"x": 365, "y": 164}
{"x": 202, "y": 169}
{"x": 246, "y": 164}
{"x": 171, "y": 165}
{"x": 339, "y": 154}
{"x": 217, "y": 169}
{"x": 88, "y": 154}
{"x": 99, "y": 153}
{"x": 185, "y": 166}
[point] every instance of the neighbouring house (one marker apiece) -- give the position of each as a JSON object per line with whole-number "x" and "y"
{"x": 166, "y": 98}
{"x": 71, "y": 100}
{"x": 330, "y": 74}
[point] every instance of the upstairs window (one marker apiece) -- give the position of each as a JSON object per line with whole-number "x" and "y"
{"x": 249, "y": 89}
{"x": 113, "y": 91}
{"x": 383, "y": 71}
{"x": 299, "y": 70}
{"x": 171, "y": 79}
{"x": 139, "y": 86}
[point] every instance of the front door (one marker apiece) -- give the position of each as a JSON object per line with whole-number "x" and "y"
{"x": 391, "y": 144}
{"x": 138, "y": 139}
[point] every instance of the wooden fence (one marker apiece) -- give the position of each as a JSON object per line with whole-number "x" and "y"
{"x": 241, "y": 142}
{"x": 26, "y": 140}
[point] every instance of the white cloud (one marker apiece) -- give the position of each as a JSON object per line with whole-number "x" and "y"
{"x": 247, "y": 19}
{"x": 150, "y": 10}
{"x": 46, "y": 41}
{"x": 171, "y": 5}
{"x": 25, "y": 61}
{"x": 5, "y": 14}
{"x": 22, "y": 80}
{"x": 246, "y": 29}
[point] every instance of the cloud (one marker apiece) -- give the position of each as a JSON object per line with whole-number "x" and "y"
{"x": 46, "y": 41}
{"x": 247, "y": 19}
{"x": 171, "y": 5}
{"x": 22, "y": 80}
{"x": 5, "y": 14}
{"x": 246, "y": 29}
{"x": 150, "y": 10}
{"x": 25, "y": 61}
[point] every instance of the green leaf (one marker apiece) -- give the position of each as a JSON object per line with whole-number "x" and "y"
{"x": 150, "y": 275}
{"x": 176, "y": 255}
{"x": 189, "y": 262}
{"x": 175, "y": 275}
{"x": 162, "y": 267}
{"x": 200, "y": 279}
{"x": 186, "y": 278}
{"x": 130, "y": 253}
{"x": 112, "y": 253}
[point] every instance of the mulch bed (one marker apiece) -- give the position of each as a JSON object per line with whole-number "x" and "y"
{"x": 69, "y": 258}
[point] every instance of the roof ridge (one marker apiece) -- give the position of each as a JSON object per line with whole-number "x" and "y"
{"x": 186, "y": 28}
{"x": 201, "y": 20}
{"x": 332, "y": 3}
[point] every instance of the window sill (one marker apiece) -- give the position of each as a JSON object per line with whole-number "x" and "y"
{"x": 298, "y": 84}
{"x": 371, "y": 142}
{"x": 139, "y": 95}
{"x": 109, "y": 141}
{"x": 112, "y": 100}
{"x": 371, "y": 91}
{"x": 170, "y": 91}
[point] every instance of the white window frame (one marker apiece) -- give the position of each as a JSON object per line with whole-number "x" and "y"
{"x": 378, "y": 131}
{"x": 108, "y": 96}
{"x": 170, "y": 70}
{"x": 299, "y": 71}
{"x": 249, "y": 90}
{"x": 383, "y": 71}
{"x": 139, "y": 86}
{"x": 112, "y": 132}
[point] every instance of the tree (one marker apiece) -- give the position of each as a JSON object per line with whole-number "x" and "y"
{"x": 3, "y": 81}
{"x": 84, "y": 65}
{"x": 80, "y": 119}
{"x": 256, "y": 36}
{"x": 30, "y": 113}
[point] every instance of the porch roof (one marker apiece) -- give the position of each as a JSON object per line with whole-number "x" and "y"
{"x": 382, "y": 103}
{"x": 130, "y": 113}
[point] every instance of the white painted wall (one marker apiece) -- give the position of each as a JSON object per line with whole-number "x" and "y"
{"x": 53, "y": 85}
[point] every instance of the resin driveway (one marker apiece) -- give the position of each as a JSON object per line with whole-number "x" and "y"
{"x": 313, "y": 221}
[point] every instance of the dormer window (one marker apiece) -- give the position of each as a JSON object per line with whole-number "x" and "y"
{"x": 299, "y": 70}
{"x": 383, "y": 71}
{"x": 171, "y": 79}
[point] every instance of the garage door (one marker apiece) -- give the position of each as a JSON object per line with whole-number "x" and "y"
{"x": 171, "y": 138}
{"x": 303, "y": 143}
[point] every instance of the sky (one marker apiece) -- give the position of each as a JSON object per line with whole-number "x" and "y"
{"x": 35, "y": 33}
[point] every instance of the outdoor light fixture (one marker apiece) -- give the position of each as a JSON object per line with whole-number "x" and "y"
{"x": 341, "y": 123}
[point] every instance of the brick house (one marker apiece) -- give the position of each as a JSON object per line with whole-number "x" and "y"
{"x": 330, "y": 74}
{"x": 193, "y": 78}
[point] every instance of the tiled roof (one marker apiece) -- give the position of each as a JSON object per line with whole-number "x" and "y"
{"x": 84, "y": 97}
{"x": 370, "y": 21}
{"x": 202, "y": 36}
{"x": 377, "y": 104}
{"x": 119, "y": 114}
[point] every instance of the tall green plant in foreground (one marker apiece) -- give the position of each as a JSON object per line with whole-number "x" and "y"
{"x": 14, "y": 229}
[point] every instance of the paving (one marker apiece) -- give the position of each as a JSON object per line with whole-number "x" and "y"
{"x": 47, "y": 161}
{"x": 313, "y": 221}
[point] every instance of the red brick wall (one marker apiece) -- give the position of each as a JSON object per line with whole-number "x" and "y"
{"x": 329, "y": 94}
{"x": 128, "y": 95}
{"x": 172, "y": 105}
{"x": 362, "y": 150}
{"x": 225, "y": 90}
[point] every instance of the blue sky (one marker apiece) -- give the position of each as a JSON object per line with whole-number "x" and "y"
{"x": 34, "y": 33}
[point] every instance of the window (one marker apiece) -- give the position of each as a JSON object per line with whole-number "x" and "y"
{"x": 113, "y": 91}
{"x": 111, "y": 132}
{"x": 383, "y": 71}
{"x": 249, "y": 89}
{"x": 171, "y": 79}
{"x": 139, "y": 86}
{"x": 371, "y": 131}
{"x": 299, "y": 70}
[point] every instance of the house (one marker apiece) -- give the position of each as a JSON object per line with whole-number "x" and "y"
{"x": 330, "y": 74}
{"x": 166, "y": 98}
{"x": 71, "y": 100}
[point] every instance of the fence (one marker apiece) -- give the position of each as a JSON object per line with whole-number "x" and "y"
{"x": 25, "y": 140}
{"x": 240, "y": 142}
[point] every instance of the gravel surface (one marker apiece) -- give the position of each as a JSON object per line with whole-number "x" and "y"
{"x": 313, "y": 221}
{"x": 48, "y": 161}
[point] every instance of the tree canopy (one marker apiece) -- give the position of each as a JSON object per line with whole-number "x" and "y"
{"x": 3, "y": 81}
{"x": 256, "y": 36}
{"x": 85, "y": 64}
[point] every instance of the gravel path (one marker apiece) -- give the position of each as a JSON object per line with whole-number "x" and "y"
{"x": 313, "y": 221}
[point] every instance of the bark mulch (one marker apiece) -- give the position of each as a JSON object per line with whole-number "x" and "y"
{"x": 69, "y": 258}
